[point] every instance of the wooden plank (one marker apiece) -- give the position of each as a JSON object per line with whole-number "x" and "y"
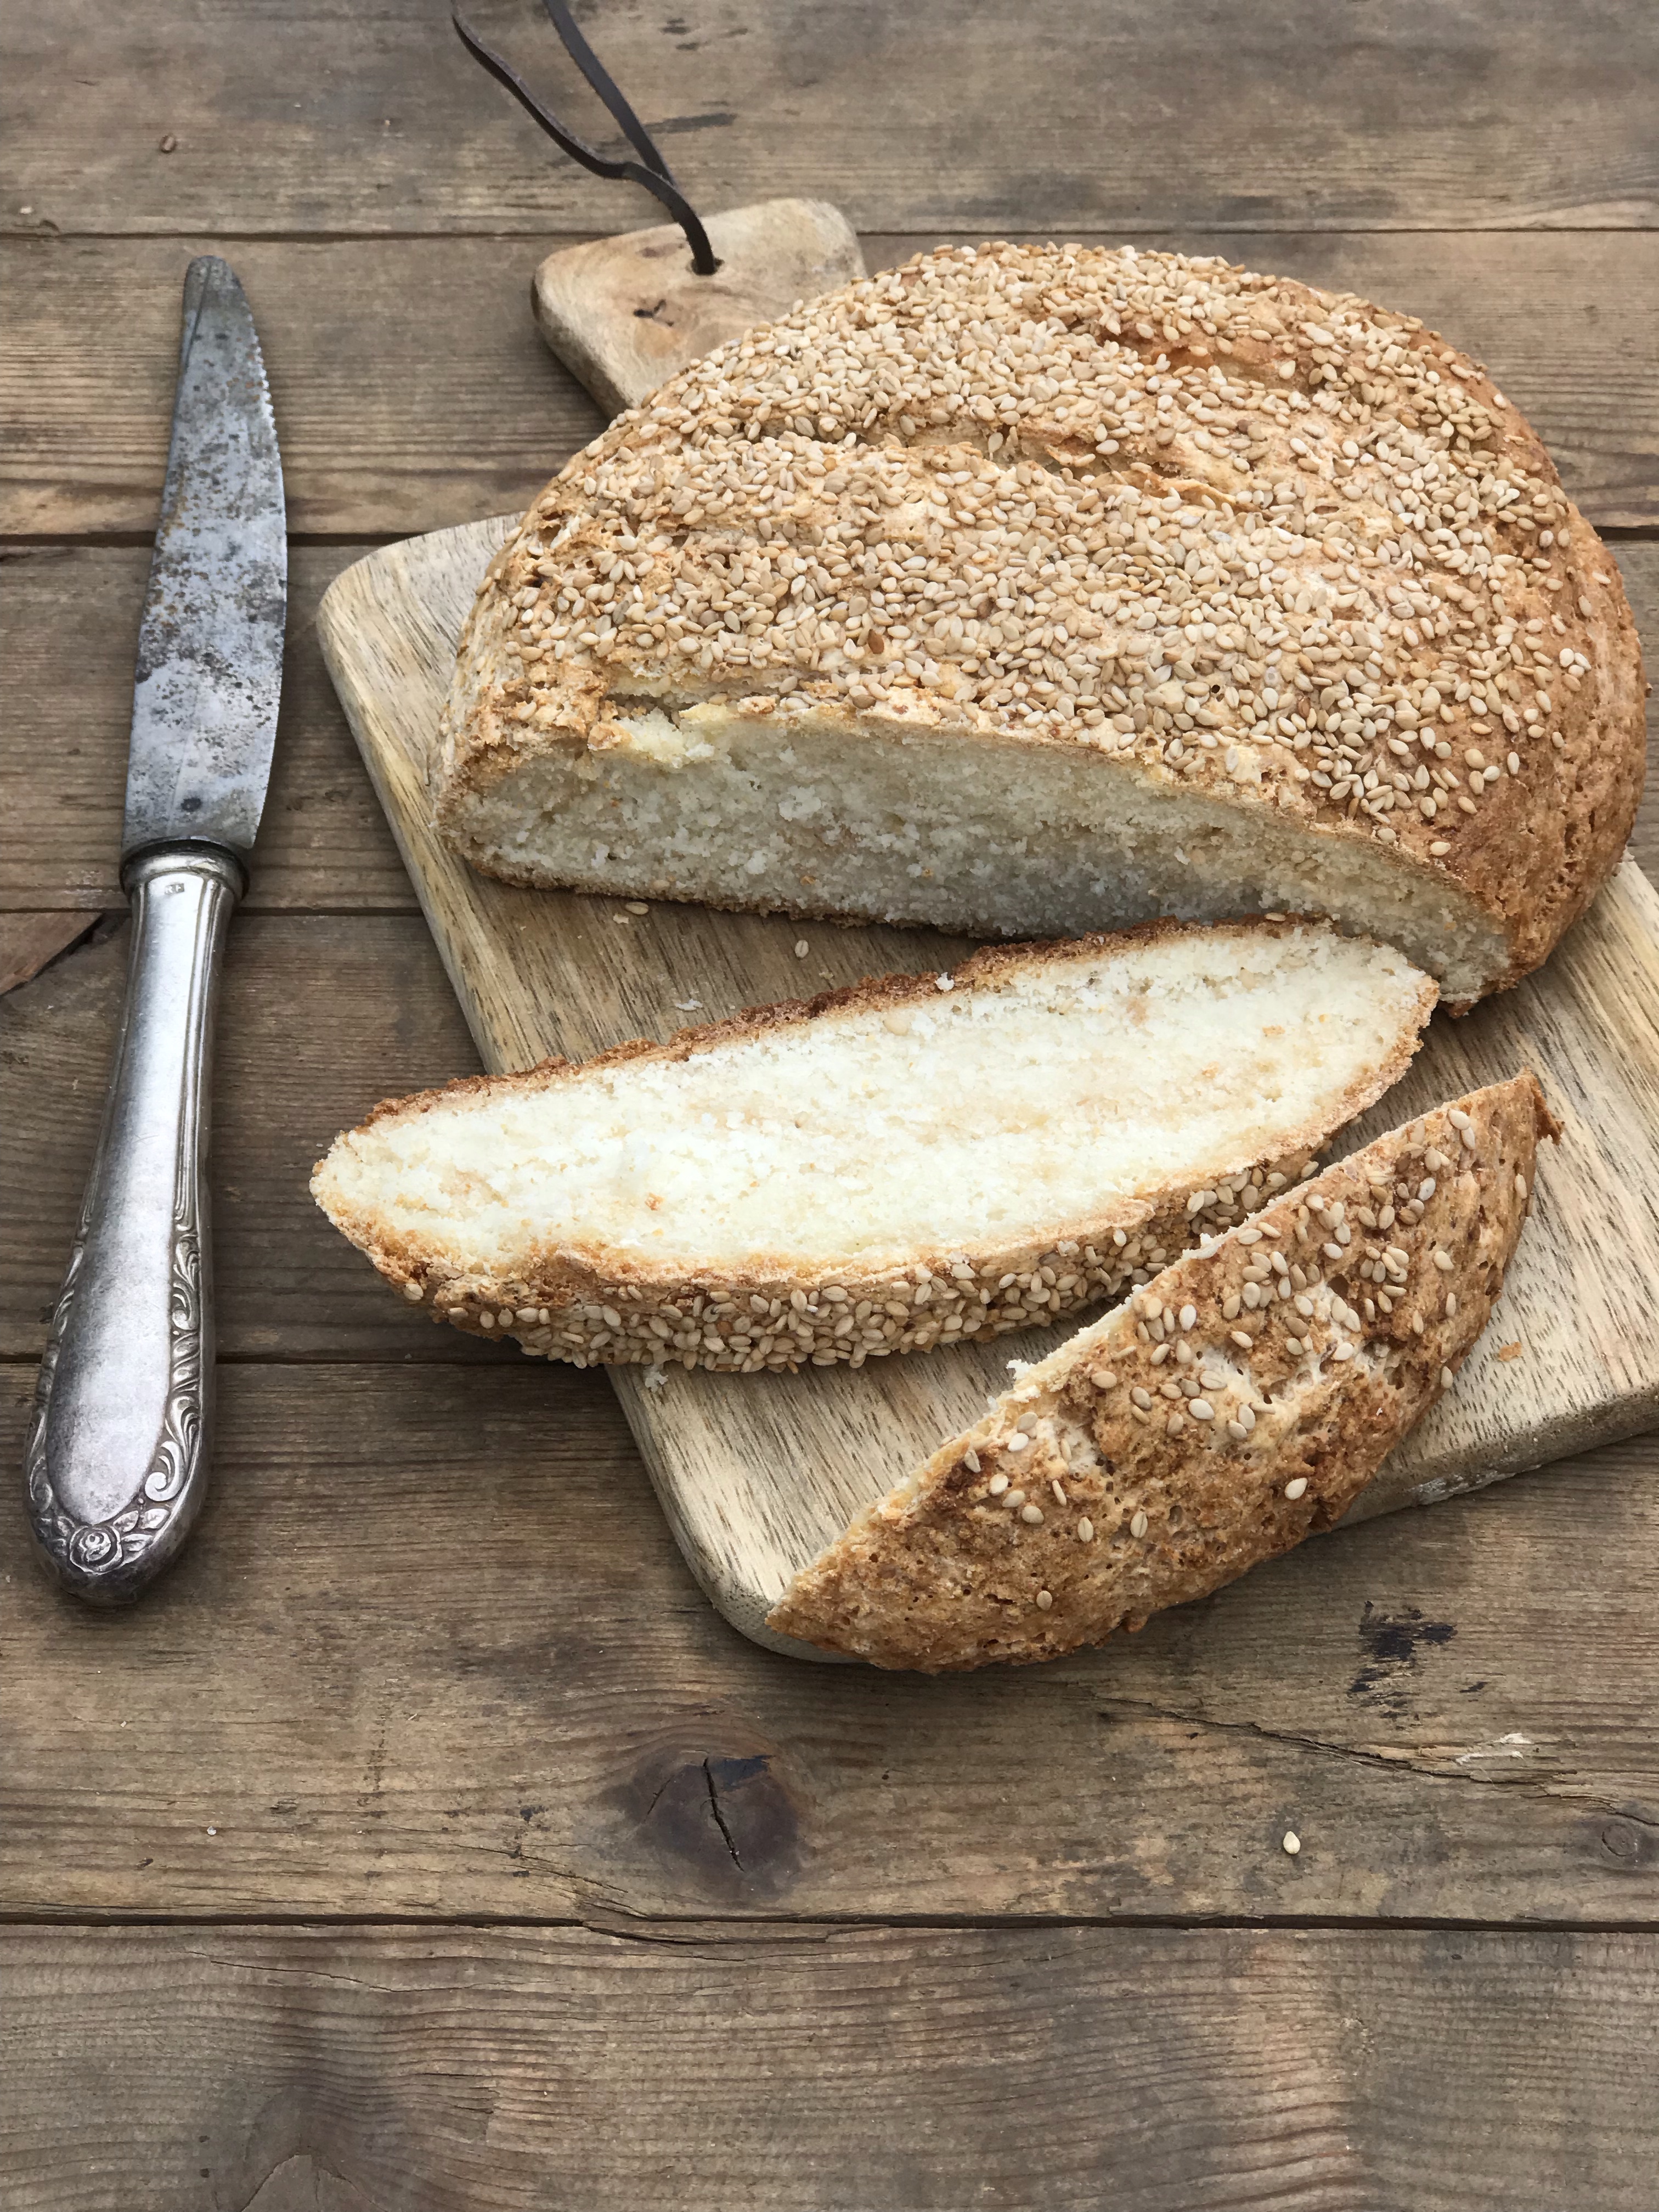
{"x": 318, "y": 1016}
{"x": 759, "y": 1476}
{"x": 849, "y": 2070}
{"x": 385, "y": 427}
{"x": 322, "y": 1016}
{"x": 28, "y": 942}
{"x": 431, "y": 1651}
{"x": 325, "y": 116}
{"x": 69, "y": 630}
{"x": 68, "y": 624}
{"x": 384, "y": 431}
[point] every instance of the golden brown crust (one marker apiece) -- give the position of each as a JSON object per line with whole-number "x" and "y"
{"x": 1208, "y": 1423}
{"x": 1417, "y": 567}
{"x": 603, "y": 1307}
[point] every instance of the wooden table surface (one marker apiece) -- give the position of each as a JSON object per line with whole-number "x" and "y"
{"x": 426, "y": 1841}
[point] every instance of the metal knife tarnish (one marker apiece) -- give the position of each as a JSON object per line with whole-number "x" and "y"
{"x": 117, "y": 1453}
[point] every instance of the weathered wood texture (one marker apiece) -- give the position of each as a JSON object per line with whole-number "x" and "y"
{"x": 832, "y": 2070}
{"x": 433, "y": 1651}
{"x": 319, "y": 1018}
{"x": 28, "y": 942}
{"x": 68, "y": 625}
{"x": 386, "y": 432}
{"x": 325, "y": 116}
{"x": 759, "y": 1475}
{"x": 69, "y": 631}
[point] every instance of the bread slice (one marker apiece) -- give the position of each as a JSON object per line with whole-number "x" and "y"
{"x": 922, "y": 1160}
{"x": 1037, "y": 590}
{"x": 1240, "y": 1401}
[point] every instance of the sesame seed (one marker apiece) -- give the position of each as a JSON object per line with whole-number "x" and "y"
{"x": 1443, "y": 1260}
{"x": 970, "y": 1461}
{"x": 997, "y": 1485}
{"x": 1290, "y": 1842}
{"x": 1045, "y": 1599}
{"x": 1085, "y": 1530}
{"x": 802, "y": 948}
{"x": 1188, "y": 1316}
{"x": 1245, "y": 1342}
{"x": 1201, "y": 1410}
{"x": 1296, "y": 1487}
{"x": 1446, "y": 1378}
{"x": 1138, "y": 1523}
{"x": 1019, "y": 1442}
{"x": 821, "y": 509}
{"x": 1031, "y": 1515}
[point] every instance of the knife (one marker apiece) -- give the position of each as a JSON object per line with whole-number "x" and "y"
{"x": 117, "y": 1459}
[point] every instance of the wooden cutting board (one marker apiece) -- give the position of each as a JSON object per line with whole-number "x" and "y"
{"x": 758, "y": 1474}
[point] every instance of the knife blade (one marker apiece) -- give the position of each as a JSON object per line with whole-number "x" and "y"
{"x": 210, "y": 644}
{"x": 117, "y": 1459}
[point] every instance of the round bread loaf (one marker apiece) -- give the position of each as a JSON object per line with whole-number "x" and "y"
{"x": 1031, "y": 591}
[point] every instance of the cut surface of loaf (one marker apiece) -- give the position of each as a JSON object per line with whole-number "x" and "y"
{"x": 1237, "y": 1403}
{"x": 1029, "y": 591}
{"x": 920, "y": 1160}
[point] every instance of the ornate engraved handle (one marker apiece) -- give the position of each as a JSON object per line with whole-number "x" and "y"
{"x": 118, "y": 1453}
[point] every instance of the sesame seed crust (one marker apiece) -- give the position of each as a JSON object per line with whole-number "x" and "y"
{"x": 604, "y": 1308}
{"x": 1217, "y": 532}
{"x": 1184, "y": 1470}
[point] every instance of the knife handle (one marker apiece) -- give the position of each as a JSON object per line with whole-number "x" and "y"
{"x": 117, "y": 1453}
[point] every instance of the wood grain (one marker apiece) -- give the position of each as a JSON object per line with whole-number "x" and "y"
{"x": 432, "y": 1652}
{"x": 624, "y": 312}
{"x": 759, "y": 1475}
{"x": 28, "y": 942}
{"x": 325, "y": 115}
{"x": 435, "y": 1651}
{"x": 385, "y": 433}
{"x": 68, "y": 625}
{"x": 832, "y": 2070}
{"x": 69, "y": 632}
{"x": 318, "y": 1016}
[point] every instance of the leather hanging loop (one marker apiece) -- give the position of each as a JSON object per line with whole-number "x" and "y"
{"x": 651, "y": 170}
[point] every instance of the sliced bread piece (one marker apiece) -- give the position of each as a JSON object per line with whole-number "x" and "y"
{"x": 1238, "y": 1402}
{"x": 920, "y": 1160}
{"x": 1039, "y": 589}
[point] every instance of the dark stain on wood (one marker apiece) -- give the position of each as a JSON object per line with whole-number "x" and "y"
{"x": 1393, "y": 1641}
{"x": 727, "y": 1816}
{"x": 1625, "y": 1845}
